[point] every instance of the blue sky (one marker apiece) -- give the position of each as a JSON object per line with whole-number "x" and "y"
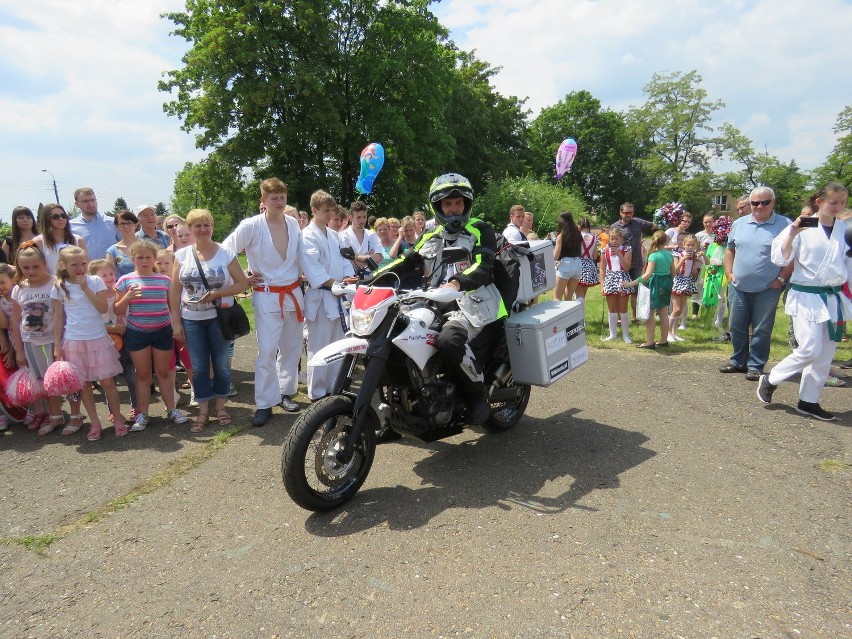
{"x": 78, "y": 79}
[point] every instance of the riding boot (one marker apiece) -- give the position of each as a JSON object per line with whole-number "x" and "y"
{"x": 478, "y": 410}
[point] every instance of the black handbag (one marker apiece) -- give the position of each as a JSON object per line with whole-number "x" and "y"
{"x": 233, "y": 321}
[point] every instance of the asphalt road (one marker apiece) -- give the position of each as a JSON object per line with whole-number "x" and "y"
{"x": 645, "y": 495}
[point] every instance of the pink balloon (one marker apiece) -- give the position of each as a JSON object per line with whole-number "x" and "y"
{"x": 565, "y": 156}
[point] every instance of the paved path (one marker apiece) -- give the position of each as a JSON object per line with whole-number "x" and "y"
{"x": 644, "y": 496}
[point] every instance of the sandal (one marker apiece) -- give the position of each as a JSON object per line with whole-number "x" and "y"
{"x": 50, "y": 426}
{"x": 651, "y": 346}
{"x": 199, "y": 423}
{"x": 72, "y": 428}
{"x": 120, "y": 428}
{"x": 224, "y": 418}
{"x": 661, "y": 344}
{"x": 94, "y": 433}
{"x": 37, "y": 420}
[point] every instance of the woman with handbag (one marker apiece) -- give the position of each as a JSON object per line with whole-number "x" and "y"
{"x": 205, "y": 279}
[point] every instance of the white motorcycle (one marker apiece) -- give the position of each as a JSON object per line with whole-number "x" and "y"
{"x": 329, "y": 451}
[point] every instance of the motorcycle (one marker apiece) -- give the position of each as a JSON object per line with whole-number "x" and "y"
{"x": 329, "y": 451}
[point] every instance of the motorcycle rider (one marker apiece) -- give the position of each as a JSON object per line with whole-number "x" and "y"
{"x": 450, "y": 199}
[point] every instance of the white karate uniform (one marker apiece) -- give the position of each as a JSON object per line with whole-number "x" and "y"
{"x": 277, "y": 326}
{"x": 321, "y": 261}
{"x": 368, "y": 246}
{"x": 819, "y": 261}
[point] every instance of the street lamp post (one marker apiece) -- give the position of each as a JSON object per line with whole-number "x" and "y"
{"x": 55, "y": 191}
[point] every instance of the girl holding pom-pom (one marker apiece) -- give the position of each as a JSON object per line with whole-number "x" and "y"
{"x": 79, "y": 299}
{"x": 32, "y": 330}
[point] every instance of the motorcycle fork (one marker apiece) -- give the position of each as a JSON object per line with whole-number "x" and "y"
{"x": 378, "y": 357}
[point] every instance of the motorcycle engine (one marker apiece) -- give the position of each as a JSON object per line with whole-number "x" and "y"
{"x": 438, "y": 402}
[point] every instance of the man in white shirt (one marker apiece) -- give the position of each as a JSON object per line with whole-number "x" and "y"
{"x": 363, "y": 241}
{"x": 272, "y": 242}
{"x": 512, "y": 232}
{"x": 98, "y": 230}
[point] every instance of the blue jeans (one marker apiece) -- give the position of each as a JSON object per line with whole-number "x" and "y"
{"x": 755, "y": 310}
{"x": 207, "y": 346}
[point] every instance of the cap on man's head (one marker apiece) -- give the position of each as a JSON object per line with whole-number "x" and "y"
{"x": 142, "y": 207}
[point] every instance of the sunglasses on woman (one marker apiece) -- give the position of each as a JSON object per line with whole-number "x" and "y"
{"x": 58, "y": 216}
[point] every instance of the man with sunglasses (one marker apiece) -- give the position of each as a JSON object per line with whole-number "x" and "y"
{"x": 97, "y": 229}
{"x": 755, "y": 283}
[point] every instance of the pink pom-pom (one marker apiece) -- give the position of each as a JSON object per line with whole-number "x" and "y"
{"x": 721, "y": 229}
{"x": 62, "y": 378}
{"x": 24, "y": 387}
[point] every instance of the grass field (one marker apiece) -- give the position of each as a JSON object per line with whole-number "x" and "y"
{"x": 699, "y": 339}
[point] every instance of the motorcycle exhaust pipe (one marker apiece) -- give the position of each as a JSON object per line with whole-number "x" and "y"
{"x": 505, "y": 394}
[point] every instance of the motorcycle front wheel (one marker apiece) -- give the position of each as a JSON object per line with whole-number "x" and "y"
{"x": 313, "y": 475}
{"x": 504, "y": 415}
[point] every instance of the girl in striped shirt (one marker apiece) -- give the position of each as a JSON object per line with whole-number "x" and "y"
{"x": 144, "y": 296}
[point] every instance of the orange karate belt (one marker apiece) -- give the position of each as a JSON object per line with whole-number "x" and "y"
{"x": 283, "y": 292}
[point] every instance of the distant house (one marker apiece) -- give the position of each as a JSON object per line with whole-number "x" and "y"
{"x": 723, "y": 202}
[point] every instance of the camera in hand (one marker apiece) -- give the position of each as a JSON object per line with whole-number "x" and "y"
{"x": 808, "y": 222}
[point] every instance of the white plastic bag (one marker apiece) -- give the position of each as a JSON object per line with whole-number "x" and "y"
{"x": 643, "y": 303}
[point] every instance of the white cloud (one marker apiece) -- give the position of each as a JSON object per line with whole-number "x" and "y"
{"x": 80, "y": 98}
{"x": 776, "y": 64}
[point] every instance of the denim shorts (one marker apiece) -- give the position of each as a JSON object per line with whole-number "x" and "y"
{"x": 161, "y": 339}
{"x": 569, "y": 268}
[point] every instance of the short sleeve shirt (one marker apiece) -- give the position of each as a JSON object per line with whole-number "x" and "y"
{"x": 752, "y": 243}
{"x": 82, "y": 319}
{"x": 150, "y": 312}
{"x": 36, "y": 312}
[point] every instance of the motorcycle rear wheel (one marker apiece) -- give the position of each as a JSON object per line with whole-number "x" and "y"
{"x": 313, "y": 476}
{"x": 504, "y": 415}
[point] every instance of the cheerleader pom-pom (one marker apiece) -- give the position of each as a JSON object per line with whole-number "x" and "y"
{"x": 24, "y": 388}
{"x": 62, "y": 378}
{"x": 672, "y": 213}
{"x": 721, "y": 229}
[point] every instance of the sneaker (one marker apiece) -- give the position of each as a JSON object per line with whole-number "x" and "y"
{"x": 765, "y": 389}
{"x": 752, "y": 375}
{"x": 288, "y": 404}
{"x": 722, "y": 338}
{"x": 814, "y": 410}
{"x": 232, "y": 392}
{"x": 177, "y": 417}
{"x": 141, "y": 421}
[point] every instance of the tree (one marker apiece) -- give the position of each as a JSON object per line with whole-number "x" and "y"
{"x": 606, "y": 170}
{"x": 545, "y": 200}
{"x": 120, "y": 205}
{"x": 488, "y": 130}
{"x": 296, "y": 89}
{"x": 838, "y": 164}
{"x": 217, "y": 185}
{"x": 160, "y": 209}
{"x": 675, "y": 119}
{"x": 759, "y": 169}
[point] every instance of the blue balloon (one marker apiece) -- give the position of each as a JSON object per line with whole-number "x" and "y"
{"x": 372, "y": 160}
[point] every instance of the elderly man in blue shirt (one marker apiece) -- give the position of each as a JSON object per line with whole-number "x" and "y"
{"x": 97, "y": 229}
{"x": 755, "y": 283}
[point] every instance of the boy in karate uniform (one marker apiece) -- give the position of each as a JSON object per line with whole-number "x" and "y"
{"x": 322, "y": 266}
{"x": 272, "y": 242}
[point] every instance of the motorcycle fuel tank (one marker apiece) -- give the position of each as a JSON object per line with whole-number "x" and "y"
{"x": 546, "y": 342}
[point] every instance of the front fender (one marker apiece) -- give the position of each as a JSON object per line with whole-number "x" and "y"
{"x": 336, "y": 351}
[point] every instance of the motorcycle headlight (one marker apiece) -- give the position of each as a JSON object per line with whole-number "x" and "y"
{"x": 362, "y": 320}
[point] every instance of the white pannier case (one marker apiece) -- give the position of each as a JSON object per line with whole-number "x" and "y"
{"x": 546, "y": 341}
{"x": 539, "y": 274}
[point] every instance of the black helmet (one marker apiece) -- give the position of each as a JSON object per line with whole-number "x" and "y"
{"x": 451, "y": 185}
